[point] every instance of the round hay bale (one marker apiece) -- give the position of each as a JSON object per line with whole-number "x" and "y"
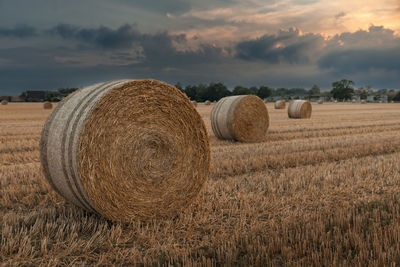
{"x": 300, "y": 109}
{"x": 128, "y": 150}
{"x": 363, "y": 101}
{"x": 47, "y": 105}
{"x": 194, "y": 103}
{"x": 280, "y": 104}
{"x": 320, "y": 102}
{"x": 335, "y": 101}
{"x": 242, "y": 118}
{"x": 353, "y": 101}
{"x": 4, "y": 102}
{"x": 207, "y": 103}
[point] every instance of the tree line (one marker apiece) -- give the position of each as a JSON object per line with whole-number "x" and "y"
{"x": 341, "y": 90}
{"x": 216, "y": 91}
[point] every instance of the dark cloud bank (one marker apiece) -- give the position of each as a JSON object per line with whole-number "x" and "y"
{"x": 287, "y": 58}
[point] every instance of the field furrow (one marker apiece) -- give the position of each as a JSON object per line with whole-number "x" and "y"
{"x": 318, "y": 192}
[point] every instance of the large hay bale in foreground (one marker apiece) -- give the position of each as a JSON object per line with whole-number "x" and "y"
{"x": 47, "y": 105}
{"x": 280, "y": 104}
{"x": 242, "y": 118}
{"x": 4, "y": 102}
{"x": 126, "y": 149}
{"x": 208, "y": 102}
{"x": 300, "y": 109}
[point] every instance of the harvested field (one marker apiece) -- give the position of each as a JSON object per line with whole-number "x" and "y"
{"x": 321, "y": 191}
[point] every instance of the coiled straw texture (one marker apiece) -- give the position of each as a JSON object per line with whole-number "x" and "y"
{"x": 242, "y": 118}
{"x": 128, "y": 149}
{"x": 47, "y": 105}
{"x": 299, "y": 109}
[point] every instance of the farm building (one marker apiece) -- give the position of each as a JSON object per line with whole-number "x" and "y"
{"x": 34, "y": 96}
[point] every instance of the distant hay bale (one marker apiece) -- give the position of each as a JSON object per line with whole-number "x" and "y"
{"x": 363, "y": 101}
{"x": 299, "y": 109}
{"x": 335, "y": 101}
{"x": 47, "y": 105}
{"x": 4, "y": 102}
{"x": 353, "y": 101}
{"x": 128, "y": 149}
{"x": 208, "y": 102}
{"x": 242, "y": 118}
{"x": 280, "y": 104}
{"x": 194, "y": 103}
{"x": 320, "y": 102}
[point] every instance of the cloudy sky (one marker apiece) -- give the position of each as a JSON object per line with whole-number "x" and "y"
{"x": 48, "y": 44}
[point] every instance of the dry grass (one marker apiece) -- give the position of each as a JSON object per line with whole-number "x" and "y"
{"x": 323, "y": 191}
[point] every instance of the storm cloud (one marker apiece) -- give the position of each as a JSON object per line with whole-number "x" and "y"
{"x": 286, "y": 46}
{"x": 19, "y": 31}
{"x": 49, "y": 44}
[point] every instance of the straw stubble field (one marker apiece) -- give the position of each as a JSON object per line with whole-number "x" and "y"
{"x": 319, "y": 191}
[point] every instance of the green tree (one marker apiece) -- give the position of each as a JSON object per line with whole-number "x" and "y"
{"x": 342, "y": 89}
{"x": 254, "y": 90}
{"x": 191, "y": 91}
{"x": 216, "y": 91}
{"x": 280, "y": 92}
{"x": 264, "y": 92}
{"x": 53, "y": 96}
{"x": 240, "y": 90}
{"x": 202, "y": 92}
{"x": 66, "y": 91}
{"x": 397, "y": 97}
{"x": 315, "y": 90}
{"x": 179, "y": 86}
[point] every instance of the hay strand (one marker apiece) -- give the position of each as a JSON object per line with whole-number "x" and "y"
{"x": 242, "y": 118}
{"x": 299, "y": 109}
{"x": 128, "y": 149}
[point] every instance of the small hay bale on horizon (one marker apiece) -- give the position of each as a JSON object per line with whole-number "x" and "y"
{"x": 300, "y": 109}
{"x": 207, "y": 103}
{"x": 241, "y": 118}
{"x": 280, "y": 104}
{"x": 127, "y": 150}
{"x": 320, "y": 102}
{"x": 194, "y": 103}
{"x": 4, "y": 102}
{"x": 47, "y": 105}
